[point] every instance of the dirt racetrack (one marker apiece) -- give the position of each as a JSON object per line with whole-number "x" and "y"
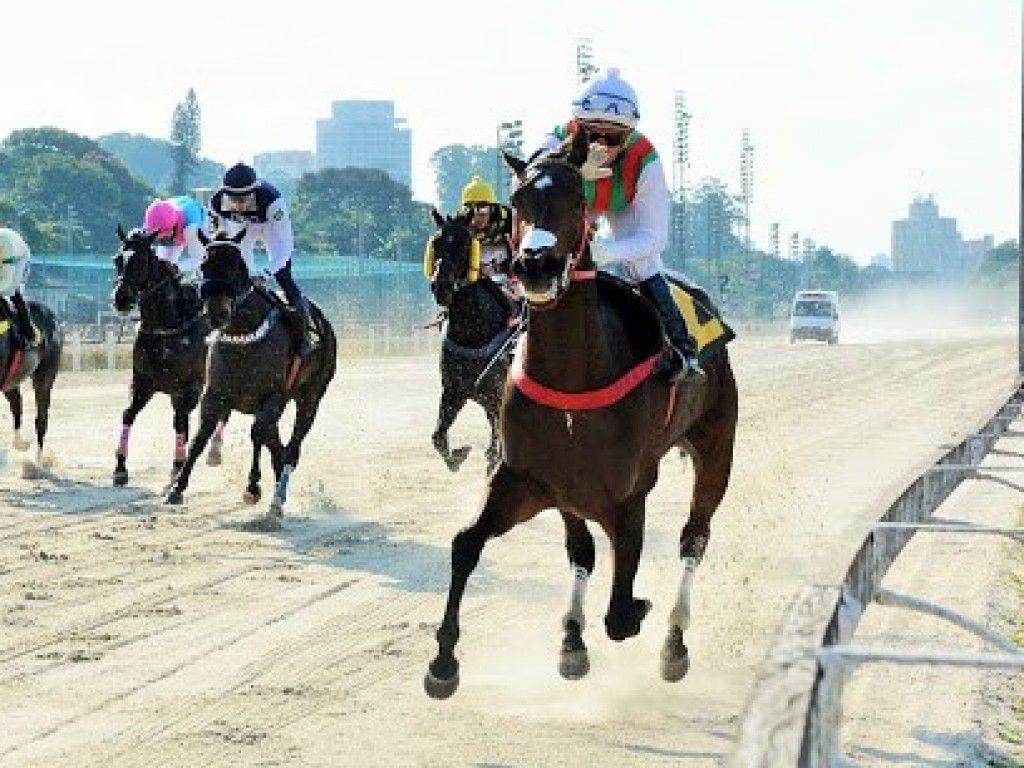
{"x": 135, "y": 634}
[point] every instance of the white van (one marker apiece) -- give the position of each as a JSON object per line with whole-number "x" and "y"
{"x": 815, "y": 315}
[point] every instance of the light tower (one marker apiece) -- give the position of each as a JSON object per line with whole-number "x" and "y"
{"x": 746, "y": 184}
{"x": 680, "y": 164}
{"x": 510, "y": 139}
{"x": 585, "y": 68}
{"x": 775, "y": 239}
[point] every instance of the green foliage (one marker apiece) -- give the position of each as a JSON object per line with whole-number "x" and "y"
{"x": 186, "y": 130}
{"x": 150, "y": 160}
{"x": 455, "y": 165}
{"x": 360, "y": 211}
{"x": 64, "y": 187}
{"x": 1000, "y": 266}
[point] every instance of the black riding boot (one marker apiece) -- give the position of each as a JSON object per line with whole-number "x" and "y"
{"x": 26, "y": 331}
{"x": 681, "y": 360}
{"x": 298, "y": 303}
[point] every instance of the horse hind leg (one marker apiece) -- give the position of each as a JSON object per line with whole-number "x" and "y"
{"x": 574, "y": 661}
{"x": 18, "y": 441}
{"x": 451, "y": 404}
{"x": 183, "y": 405}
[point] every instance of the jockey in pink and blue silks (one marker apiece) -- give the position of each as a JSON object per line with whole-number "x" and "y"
{"x": 625, "y": 187}
{"x": 177, "y": 222}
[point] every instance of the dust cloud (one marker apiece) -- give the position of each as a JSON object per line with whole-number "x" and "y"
{"x": 927, "y": 313}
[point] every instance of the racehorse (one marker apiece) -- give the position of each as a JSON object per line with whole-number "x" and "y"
{"x": 169, "y": 354}
{"x": 478, "y": 328}
{"x": 40, "y": 364}
{"x": 584, "y": 424}
{"x": 254, "y": 368}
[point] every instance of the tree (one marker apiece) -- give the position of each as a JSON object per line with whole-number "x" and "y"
{"x": 185, "y": 142}
{"x": 455, "y": 165}
{"x": 999, "y": 266}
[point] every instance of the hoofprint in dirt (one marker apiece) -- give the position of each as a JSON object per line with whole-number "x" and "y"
{"x": 134, "y": 634}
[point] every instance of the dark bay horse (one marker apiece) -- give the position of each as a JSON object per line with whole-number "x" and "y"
{"x": 475, "y": 352}
{"x": 584, "y": 425}
{"x": 169, "y": 354}
{"x": 253, "y": 367}
{"x": 39, "y": 364}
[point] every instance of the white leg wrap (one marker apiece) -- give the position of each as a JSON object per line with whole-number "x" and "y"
{"x": 579, "y": 592}
{"x": 680, "y": 615}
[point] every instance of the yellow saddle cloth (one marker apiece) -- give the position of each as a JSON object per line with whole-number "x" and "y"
{"x": 707, "y": 328}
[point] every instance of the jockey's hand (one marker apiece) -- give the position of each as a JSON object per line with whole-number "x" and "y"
{"x": 600, "y": 253}
{"x": 597, "y": 158}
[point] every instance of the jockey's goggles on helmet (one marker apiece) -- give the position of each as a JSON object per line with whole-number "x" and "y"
{"x": 609, "y": 134}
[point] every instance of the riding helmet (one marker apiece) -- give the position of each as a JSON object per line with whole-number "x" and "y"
{"x": 607, "y": 98}
{"x": 239, "y": 179}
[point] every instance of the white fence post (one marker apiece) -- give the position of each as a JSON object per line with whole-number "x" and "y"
{"x": 111, "y": 350}
{"x": 76, "y": 350}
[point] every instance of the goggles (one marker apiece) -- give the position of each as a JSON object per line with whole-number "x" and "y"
{"x": 608, "y": 134}
{"x": 230, "y": 203}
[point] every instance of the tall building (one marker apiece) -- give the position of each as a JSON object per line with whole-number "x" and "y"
{"x": 365, "y": 134}
{"x": 927, "y": 243}
{"x": 284, "y": 166}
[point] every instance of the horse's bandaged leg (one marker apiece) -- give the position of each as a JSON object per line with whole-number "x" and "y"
{"x": 680, "y": 615}
{"x": 579, "y": 592}
{"x": 122, "y": 442}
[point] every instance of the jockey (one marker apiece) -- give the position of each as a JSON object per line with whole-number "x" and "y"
{"x": 491, "y": 224}
{"x": 14, "y": 264}
{"x": 625, "y": 186}
{"x": 256, "y": 204}
{"x": 177, "y": 222}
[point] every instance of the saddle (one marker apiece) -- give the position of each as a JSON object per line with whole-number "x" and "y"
{"x": 293, "y": 319}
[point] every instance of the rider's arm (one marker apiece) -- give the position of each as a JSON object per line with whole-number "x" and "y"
{"x": 280, "y": 239}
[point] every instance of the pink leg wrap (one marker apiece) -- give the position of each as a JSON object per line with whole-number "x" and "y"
{"x": 180, "y": 447}
{"x": 122, "y": 442}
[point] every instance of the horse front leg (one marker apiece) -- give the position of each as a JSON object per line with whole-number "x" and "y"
{"x": 574, "y": 662}
{"x": 509, "y": 501}
{"x": 19, "y": 442}
{"x": 493, "y": 452}
{"x": 451, "y": 403}
{"x": 215, "y": 453}
{"x": 211, "y": 411}
{"x": 183, "y": 405}
{"x": 142, "y": 393}
{"x": 712, "y": 466}
{"x": 265, "y": 432}
{"x": 626, "y": 612}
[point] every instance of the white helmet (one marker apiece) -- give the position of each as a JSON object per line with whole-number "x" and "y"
{"x": 607, "y": 98}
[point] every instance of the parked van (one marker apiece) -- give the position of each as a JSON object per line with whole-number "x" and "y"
{"x": 815, "y": 315}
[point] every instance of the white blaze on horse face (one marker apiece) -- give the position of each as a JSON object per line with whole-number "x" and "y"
{"x": 537, "y": 239}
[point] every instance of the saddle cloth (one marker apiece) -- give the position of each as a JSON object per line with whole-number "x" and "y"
{"x": 707, "y": 328}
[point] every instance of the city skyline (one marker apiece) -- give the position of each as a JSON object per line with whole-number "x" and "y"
{"x": 852, "y": 110}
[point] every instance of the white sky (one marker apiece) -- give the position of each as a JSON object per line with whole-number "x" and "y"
{"x": 853, "y": 107}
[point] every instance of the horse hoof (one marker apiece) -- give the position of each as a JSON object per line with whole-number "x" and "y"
{"x": 621, "y": 628}
{"x": 438, "y": 688}
{"x": 174, "y": 497}
{"x": 214, "y": 457}
{"x": 276, "y": 509}
{"x": 675, "y": 659}
{"x": 120, "y": 477}
{"x": 251, "y": 495}
{"x": 572, "y": 665}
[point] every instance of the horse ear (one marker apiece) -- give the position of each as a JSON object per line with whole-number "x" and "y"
{"x": 120, "y": 232}
{"x": 239, "y": 236}
{"x": 202, "y": 237}
{"x": 438, "y": 218}
{"x": 579, "y": 145}
{"x": 517, "y": 165}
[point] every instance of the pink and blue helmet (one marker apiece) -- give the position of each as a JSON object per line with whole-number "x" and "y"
{"x": 164, "y": 218}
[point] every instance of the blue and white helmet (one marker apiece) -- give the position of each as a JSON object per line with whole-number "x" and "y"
{"x": 607, "y": 98}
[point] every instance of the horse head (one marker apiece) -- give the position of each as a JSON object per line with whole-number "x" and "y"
{"x": 551, "y": 209}
{"x": 452, "y": 258}
{"x": 136, "y": 268}
{"x": 225, "y": 276}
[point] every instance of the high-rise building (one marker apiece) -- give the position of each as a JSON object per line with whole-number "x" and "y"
{"x": 284, "y": 165}
{"x": 927, "y": 243}
{"x": 365, "y": 134}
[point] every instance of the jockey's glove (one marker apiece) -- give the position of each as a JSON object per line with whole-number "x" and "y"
{"x": 593, "y": 169}
{"x": 600, "y": 252}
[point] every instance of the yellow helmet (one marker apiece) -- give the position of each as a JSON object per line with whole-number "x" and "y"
{"x": 478, "y": 191}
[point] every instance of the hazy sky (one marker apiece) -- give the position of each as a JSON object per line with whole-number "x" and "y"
{"x": 853, "y": 107}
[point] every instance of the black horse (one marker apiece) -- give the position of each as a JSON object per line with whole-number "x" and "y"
{"x": 475, "y": 352}
{"x": 254, "y": 368}
{"x": 40, "y": 363}
{"x": 585, "y": 424}
{"x": 169, "y": 354}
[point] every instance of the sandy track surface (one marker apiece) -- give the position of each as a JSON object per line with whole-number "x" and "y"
{"x": 134, "y": 634}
